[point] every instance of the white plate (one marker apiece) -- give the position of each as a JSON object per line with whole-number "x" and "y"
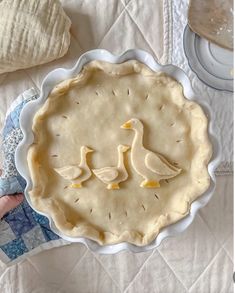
{"x": 61, "y": 74}
{"x": 212, "y": 64}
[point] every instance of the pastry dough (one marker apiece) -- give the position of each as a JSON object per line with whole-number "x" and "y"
{"x": 89, "y": 110}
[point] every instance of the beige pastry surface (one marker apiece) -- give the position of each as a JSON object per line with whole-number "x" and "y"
{"x": 89, "y": 110}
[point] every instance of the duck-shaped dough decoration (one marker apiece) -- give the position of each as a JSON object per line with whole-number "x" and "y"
{"x": 112, "y": 176}
{"x": 77, "y": 174}
{"x": 151, "y": 166}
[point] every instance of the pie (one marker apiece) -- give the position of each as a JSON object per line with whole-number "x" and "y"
{"x": 118, "y": 153}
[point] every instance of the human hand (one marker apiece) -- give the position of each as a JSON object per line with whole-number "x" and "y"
{"x": 9, "y": 202}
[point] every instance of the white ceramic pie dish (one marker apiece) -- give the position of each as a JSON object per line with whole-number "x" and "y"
{"x": 60, "y": 74}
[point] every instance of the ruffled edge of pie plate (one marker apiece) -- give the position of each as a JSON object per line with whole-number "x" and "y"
{"x": 58, "y": 75}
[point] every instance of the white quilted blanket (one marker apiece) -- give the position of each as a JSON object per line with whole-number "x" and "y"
{"x": 200, "y": 259}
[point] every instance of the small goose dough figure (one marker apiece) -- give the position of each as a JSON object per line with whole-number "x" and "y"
{"x": 151, "y": 166}
{"x": 77, "y": 173}
{"x": 112, "y": 176}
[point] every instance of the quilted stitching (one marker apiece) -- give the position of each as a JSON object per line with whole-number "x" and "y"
{"x": 30, "y": 229}
{"x": 177, "y": 268}
{"x": 47, "y": 39}
{"x": 221, "y": 103}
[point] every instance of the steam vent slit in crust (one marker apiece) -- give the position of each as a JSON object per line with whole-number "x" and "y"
{"x": 120, "y": 153}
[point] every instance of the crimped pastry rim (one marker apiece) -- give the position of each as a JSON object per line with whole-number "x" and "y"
{"x": 106, "y": 56}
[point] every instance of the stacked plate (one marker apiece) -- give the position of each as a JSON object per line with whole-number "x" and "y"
{"x": 212, "y": 64}
{"x": 208, "y": 42}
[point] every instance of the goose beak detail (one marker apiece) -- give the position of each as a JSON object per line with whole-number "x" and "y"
{"x": 126, "y": 148}
{"x": 127, "y": 125}
{"x": 89, "y": 150}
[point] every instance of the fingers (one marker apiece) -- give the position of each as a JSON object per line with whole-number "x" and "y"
{"x": 9, "y": 202}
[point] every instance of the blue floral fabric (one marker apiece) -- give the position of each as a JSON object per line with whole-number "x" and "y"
{"x": 22, "y": 229}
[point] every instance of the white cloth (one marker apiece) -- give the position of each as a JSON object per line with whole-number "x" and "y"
{"x": 221, "y": 102}
{"x": 130, "y": 24}
{"x": 190, "y": 262}
{"x": 31, "y": 33}
{"x": 199, "y": 260}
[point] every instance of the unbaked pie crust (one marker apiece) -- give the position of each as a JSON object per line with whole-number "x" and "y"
{"x": 86, "y": 113}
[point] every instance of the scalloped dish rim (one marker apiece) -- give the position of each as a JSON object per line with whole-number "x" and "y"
{"x": 60, "y": 74}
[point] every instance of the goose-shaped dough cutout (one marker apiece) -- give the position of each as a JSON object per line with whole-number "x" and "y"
{"x": 112, "y": 176}
{"x": 77, "y": 174}
{"x": 151, "y": 166}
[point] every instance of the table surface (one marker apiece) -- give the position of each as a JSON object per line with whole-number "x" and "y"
{"x": 198, "y": 260}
